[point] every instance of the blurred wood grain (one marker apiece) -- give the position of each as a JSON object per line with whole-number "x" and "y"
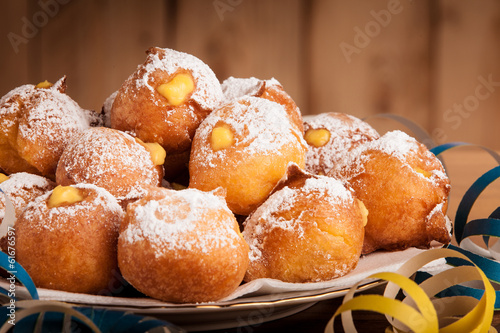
{"x": 435, "y": 62}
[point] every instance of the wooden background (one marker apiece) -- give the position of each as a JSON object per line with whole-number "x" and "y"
{"x": 435, "y": 62}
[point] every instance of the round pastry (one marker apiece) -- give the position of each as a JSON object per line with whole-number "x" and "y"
{"x": 245, "y": 147}
{"x": 310, "y": 229}
{"x": 330, "y": 136}
{"x": 405, "y": 189}
{"x": 166, "y": 98}
{"x": 182, "y": 246}
{"x": 36, "y": 123}
{"x": 20, "y": 188}
{"x": 113, "y": 160}
{"x": 235, "y": 88}
{"x": 66, "y": 239}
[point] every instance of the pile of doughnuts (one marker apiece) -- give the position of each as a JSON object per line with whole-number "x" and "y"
{"x": 187, "y": 187}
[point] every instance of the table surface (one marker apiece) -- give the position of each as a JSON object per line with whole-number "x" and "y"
{"x": 464, "y": 165}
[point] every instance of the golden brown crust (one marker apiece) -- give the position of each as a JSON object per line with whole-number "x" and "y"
{"x": 139, "y": 108}
{"x": 271, "y": 90}
{"x": 403, "y": 195}
{"x": 204, "y": 259}
{"x": 346, "y": 133}
{"x": 265, "y": 142}
{"x": 71, "y": 248}
{"x": 35, "y": 126}
{"x": 110, "y": 159}
{"x": 310, "y": 229}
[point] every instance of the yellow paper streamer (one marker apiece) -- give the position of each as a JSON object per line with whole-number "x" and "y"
{"x": 420, "y": 311}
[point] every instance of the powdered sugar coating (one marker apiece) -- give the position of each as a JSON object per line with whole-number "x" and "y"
{"x": 42, "y": 121}
{"x": 346, "y": 133}
{"x": 259, "y": 127}
{"x": 264, "y": 219}
{"x": 111, "y": 159}
{"x": 234, "y": 88}
{"x": 395, "y": 144}
{"x": 178, "y": 222}
{"x": 57, "y": 217}
{"x": 208, "y": 92}
{"x": 48, "y": 112}
{"x": 21, "y": 188}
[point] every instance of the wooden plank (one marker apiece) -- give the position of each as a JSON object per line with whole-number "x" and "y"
{"x": 98, "y": 44}
{"x": 14, "y": 45}
{"x": 238, "y": 38}
{"x": 371, "y": 57}
{"x": 468, "y": 73}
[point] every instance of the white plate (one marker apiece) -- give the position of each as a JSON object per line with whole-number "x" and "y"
{"x": 252, "y": 303}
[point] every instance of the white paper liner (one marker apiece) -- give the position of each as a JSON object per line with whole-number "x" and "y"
{"x": 257, "y": 290}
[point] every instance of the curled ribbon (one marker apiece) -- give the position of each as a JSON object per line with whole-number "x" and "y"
{"x": 52, "y": 316}
{"x": 444, "y": 299}
{"x": 419, "y": 311}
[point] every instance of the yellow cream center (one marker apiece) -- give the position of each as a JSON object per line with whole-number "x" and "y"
{"x": 44, "y": 85}
{"x": 158, "y": 154}
{"x": 3, "y": 177}
{"x": 64, "y": 195}
{"x": 317, "y": 137}
{"x": 177, "y": 89}
{"x": 423, "y": 172}
{"x": 222, "y": 137}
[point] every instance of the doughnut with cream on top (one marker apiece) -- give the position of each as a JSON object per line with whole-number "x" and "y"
{"x": 245, "y": 147}
{"x": 166, "y": 98}
{"x": 36, "y": 124}
{"x": 66, "y": 239}
{"x": 330, "y": 135}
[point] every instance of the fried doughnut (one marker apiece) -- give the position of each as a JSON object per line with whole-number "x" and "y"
{"x": 234, "y": 88}
{"x": 113, "y": 160}
{"x": 330, "y": 136}
{"x": 166, "y": 98}
{"x": 405, "y": 189}
{"x": 310, "y": 229}
{"x": 21, "y": 188}
{"x": 36, "y": 123}
{"x": 66, "y": 239}
{"x": 245, "y": 147}
{"x": 182, "y": 246}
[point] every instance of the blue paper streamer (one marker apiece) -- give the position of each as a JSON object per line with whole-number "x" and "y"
{"x": 485, "y": 227}
{"x": 108, "y": 321}
{"x": 470, "y": 198}
{"x": 19, "y": 273}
